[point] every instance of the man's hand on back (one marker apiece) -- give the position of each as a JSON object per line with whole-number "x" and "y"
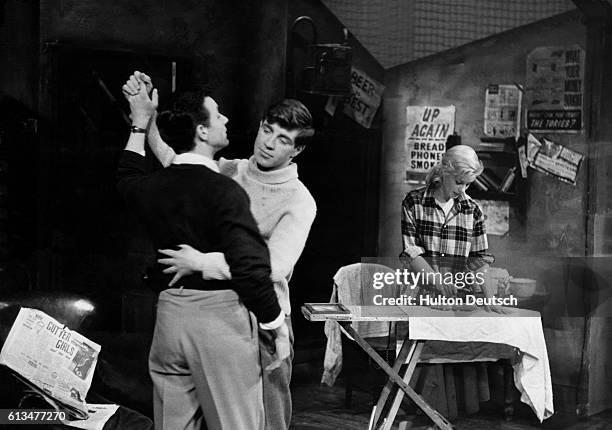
{"x": 184, "y": 261}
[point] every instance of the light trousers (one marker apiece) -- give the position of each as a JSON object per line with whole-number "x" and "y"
{"x": 204, "y": 363}
{"x": 276, "y": 392}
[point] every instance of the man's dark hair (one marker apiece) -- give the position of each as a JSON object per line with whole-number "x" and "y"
{"x": 177, "y": 126}
{"x": 292, "y": 115}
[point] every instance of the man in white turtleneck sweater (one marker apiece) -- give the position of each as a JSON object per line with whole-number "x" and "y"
{"x": 284, "y": 211}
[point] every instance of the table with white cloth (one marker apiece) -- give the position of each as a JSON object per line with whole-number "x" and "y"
{"x": 519, "y": 328}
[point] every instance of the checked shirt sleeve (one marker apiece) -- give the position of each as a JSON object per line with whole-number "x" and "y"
{"x": 411, "y": 246}
{"x": 479, "y": 255}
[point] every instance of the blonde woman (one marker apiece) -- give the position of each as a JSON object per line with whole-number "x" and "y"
{"x": 443, "y": 229}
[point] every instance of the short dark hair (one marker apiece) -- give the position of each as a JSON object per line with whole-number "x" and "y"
{"x": 292, "y": 115}
{"x": 177, "y": 126}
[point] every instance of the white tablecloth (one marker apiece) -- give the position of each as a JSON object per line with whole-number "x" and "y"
{"x": 521, "y": 329}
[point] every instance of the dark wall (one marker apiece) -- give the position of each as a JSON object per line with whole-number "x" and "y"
{"x": 89, "y": 241}
{"x": 83, "y": 239}
{"x": 86, "y": 241}
{"x": 340, "y": 169}
{"x": 18, "y": 142}
{"x": 227, "y": 41}
{"x": 19, "y": 33}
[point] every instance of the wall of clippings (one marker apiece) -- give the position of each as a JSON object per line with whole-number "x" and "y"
{"x": 461, "y": 78}
{"x": 551, "y": 223}
{"x": 546, "y": 240}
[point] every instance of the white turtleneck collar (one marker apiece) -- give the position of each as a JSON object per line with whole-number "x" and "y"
{"x": 279, "y": 176}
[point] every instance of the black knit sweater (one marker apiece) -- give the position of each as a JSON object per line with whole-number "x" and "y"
{"x": 191, "y": 204}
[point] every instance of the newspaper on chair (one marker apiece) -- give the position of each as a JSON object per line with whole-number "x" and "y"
{"x": 53, "y": 360}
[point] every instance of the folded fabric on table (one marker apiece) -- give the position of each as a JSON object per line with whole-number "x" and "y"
{"x": 521, "y": 329}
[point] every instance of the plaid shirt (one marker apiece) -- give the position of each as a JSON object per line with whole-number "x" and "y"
{"x": 454, "y": 243}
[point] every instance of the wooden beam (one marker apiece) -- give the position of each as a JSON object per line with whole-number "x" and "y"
{"x": 598, "y": 66}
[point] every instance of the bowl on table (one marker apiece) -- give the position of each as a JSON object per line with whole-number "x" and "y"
{"x": 522, "y": 287}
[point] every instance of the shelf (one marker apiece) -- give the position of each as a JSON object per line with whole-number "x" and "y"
{"x": 489, "y": 139}
{"x": 497, "y": 157}
{"x": 490, "y": 195}
{"x": 491, "y": 145}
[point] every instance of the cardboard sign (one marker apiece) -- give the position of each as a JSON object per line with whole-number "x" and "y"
{"x": 554, "y": 120}
{"x": 365, "y": 99}
{"x": 554, "y": 90}
{"x": 426, "y": 132}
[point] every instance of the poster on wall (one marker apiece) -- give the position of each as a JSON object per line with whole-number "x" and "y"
{"x": 553, "y": 159}
{"x": 366, "y": 94}
{"x": 502, "y": 116}
{"x": 426, "y": 132}
{"x": 554, "y": 87}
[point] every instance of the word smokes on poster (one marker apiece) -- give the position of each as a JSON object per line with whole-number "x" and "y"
{"x": 426, "y": 132}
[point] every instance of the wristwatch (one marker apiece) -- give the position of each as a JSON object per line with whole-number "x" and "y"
{"x": 135, "y": 129}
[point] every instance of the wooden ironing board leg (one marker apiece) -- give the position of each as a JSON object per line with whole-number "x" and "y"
{"x": 394, "y": 376}
{"x": 406, "y": 352}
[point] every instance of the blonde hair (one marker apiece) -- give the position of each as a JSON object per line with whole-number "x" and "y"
{"x": 460, "y": 161}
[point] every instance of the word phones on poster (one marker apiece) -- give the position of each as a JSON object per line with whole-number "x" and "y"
{"x": 427, "y": 129}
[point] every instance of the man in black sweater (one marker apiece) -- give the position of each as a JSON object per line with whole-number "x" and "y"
{"x": 204, "y": 357}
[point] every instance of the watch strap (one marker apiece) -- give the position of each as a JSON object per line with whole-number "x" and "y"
{"x": 135, "y": 129}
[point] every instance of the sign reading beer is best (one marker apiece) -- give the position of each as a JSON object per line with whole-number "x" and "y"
{"x": 427, "y": 128}
{"x": 366, "y": 94}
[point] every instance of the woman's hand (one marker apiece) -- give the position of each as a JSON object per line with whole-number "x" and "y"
{"x": 185, "y": 261}
{"x": 497, "y": 309}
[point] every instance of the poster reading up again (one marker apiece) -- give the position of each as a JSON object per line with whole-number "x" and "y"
{"x": 427, "y": 128}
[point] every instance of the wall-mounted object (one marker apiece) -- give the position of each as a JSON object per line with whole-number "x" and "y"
{"x": 328, "y": 66}
{"x": 365, "y": 98}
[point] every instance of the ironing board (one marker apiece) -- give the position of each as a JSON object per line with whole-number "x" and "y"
{"x": 383, "y": 415}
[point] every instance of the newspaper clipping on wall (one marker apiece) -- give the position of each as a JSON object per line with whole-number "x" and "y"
{"x": 427, "y": 129}
{"x": 553, "y": 159}
{"x": 502, "y": 116}
{"x": 51, "y": 358}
